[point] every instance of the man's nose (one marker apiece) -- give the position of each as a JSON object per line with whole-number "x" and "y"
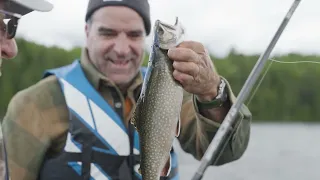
{"x": 8, "y": 48}
{"x": 122, "y": 45}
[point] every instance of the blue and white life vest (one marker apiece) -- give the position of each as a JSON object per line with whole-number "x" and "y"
{"x": 98, "y": 145}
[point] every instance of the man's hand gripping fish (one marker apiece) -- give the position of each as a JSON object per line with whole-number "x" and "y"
{"x": 157, "y": 115}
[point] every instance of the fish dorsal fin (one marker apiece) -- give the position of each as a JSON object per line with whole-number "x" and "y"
{"x": 135, "y": 115}
{"x": 167, "y": 168}
{"x": 178, "y": 127}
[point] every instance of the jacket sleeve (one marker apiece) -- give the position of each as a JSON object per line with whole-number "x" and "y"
{"x": 2, "y": 157}
{"x": 26, "y": 139}
{"x": 197, "y": 131}
{"x": 35, "y": 127}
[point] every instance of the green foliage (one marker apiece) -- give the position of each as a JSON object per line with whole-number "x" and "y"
{"x": 287, "y": 93}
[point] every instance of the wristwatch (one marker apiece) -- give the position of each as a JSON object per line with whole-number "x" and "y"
{"x": 218, "y": 100}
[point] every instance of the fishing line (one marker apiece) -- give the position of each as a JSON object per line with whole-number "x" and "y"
{"x": 258, "y": 85}
{"x": 294, "y": 62}
{"x": 277, "y": 61}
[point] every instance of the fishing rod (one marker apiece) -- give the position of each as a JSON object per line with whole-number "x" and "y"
{"x": 212, "y": 153}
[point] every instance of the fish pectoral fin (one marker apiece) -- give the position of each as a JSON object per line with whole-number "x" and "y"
{"x": 167, "y": 168}
{"x": 139, "y": 170}
{"x": 133, "y": 121}
{"x": 178, "y": 130}
{"x": 135, "y": 115}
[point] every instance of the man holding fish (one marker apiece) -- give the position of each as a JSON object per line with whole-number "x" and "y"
{"x": 79, "y": 121}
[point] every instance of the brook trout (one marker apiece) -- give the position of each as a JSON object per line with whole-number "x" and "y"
{"x": 157, "y": 114}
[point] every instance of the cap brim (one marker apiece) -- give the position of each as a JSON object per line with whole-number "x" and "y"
{"x": 25, "y": 6}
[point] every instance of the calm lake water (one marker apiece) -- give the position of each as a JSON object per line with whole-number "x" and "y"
{"x": 275, "y": 152}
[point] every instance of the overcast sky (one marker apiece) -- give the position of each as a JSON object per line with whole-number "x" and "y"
{"x": 247, "y": 25}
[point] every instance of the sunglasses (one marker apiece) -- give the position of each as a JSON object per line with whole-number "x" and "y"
{"x": 8, "y": 24}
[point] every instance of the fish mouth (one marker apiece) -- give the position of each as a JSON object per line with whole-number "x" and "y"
{"x": 166, "y": 35}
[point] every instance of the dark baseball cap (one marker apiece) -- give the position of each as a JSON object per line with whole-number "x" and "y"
{"x": 140, "y": 6}
{"x": 23, "y": 7}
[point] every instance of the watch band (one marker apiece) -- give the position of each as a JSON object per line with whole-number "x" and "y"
{"x": 217, "y": 101}
{"x": 210, "y": 104}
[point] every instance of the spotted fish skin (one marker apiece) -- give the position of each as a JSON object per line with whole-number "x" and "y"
{"x": 157, "y": 114}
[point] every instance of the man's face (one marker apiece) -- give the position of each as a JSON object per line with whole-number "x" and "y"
{"x": 115, "y": 39}
{"x": 8, "y": 47}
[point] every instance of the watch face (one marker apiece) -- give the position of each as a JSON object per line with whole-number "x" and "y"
{"x": 221, "y": 92}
